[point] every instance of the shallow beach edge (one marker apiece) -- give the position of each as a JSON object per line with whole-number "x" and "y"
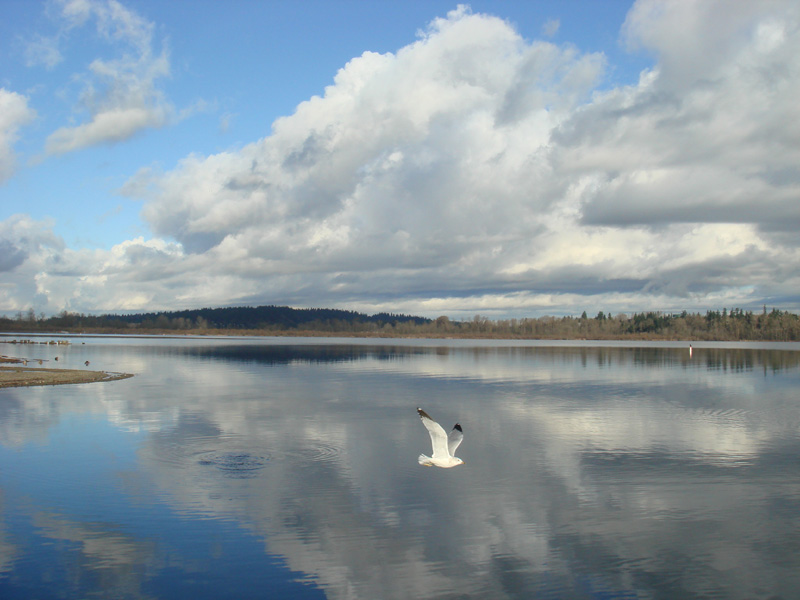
{"x": 31, "y": 376}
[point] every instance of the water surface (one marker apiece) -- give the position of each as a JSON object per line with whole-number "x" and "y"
{"x": 287, "y": 468}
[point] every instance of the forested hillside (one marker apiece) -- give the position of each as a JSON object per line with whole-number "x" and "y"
{"x": 270, "y": 318}
{"x": 736, "y": 324}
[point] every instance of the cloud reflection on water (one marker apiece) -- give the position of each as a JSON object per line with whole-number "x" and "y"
{"x": 589, "y": 471}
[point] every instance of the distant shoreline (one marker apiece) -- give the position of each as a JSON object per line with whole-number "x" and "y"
{"x": 383, "y": 334}
{"x": 213, "y": 332}
{"x": 18, "y": 337}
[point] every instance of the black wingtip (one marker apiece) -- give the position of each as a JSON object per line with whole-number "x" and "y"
{"x": 458, "y": 427}
{"x": 423, "y": 414}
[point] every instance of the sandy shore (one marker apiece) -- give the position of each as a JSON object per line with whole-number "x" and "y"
{"x": 27, "y": 376}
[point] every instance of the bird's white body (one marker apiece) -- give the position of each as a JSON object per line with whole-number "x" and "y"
{"x": 444, "y": 446}
{"x": 445, "y": 463}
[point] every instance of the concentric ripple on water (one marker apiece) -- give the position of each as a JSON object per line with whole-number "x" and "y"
{"x": 234, "y": 463}
{"x": 247, "y": 462}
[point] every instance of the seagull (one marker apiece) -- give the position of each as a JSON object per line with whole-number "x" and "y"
{"x": 444, "y": 446}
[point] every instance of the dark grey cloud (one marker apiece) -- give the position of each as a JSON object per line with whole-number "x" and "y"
{"x": 11, "y": 256}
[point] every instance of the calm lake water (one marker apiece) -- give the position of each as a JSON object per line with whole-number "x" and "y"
{"x": 287, "y": 468}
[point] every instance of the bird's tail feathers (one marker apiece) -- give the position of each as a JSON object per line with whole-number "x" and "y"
{"x": 425, "y": 460}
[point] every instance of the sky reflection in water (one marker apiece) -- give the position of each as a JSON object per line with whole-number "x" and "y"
{"x": 260, "y": 468}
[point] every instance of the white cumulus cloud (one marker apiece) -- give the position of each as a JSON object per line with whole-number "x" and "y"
{"x": 14, "y": 114}
{"x": 473, "y": 163}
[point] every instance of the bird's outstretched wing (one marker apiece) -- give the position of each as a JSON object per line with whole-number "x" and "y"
{"x": 437, "y": 433}
{"x": 454, "y": 439}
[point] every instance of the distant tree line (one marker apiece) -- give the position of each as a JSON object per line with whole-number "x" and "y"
{"x": 736, "y": 324}
{"x": 244, "y": 318}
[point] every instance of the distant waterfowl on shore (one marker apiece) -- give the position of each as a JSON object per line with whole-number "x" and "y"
{"x": 86, "y": 363}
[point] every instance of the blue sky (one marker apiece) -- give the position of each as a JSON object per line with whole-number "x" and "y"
{"x": 501, "y": 158}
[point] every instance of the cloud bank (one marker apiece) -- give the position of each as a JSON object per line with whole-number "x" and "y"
{"x": 474, "y": 171}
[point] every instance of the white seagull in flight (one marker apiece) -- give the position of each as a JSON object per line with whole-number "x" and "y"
{"x": 444, "y": 446}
